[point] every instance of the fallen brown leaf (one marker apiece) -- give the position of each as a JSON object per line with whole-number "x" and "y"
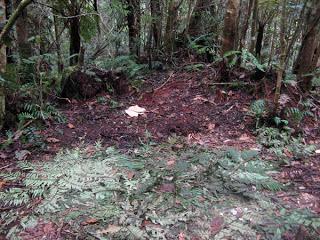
{"x": 52, "y": 140}
{"x": 111, "y": 229}
{"x": 89, "y": 221}
{"x": 71, "y": 126}
{"x": 167, "y": 187}
{"x": 216, "y": 225}
{"x": 3, "y": 155}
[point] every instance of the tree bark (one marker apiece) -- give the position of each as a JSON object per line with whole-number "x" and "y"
{"x": 254, "y": 25}
{"x": 259, "y": 41}
{"x": 3, "y": 62}
{"x": 305, "y": 62}
{"x": 134, "y": 21}
{"x": 12, "y": 20}
{"x": 10, "y": 49}
{"x": 22, "y": 31}
{"x": 170, "y": 34}
{"x": 244, "y": 29}
{"x": 75, "y": 40}
{"x": 156, "y": 15}
{"x": 281, "y": 69}
{"x": 229, "y": 40}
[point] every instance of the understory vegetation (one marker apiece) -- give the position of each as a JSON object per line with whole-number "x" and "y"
{"x": 151, "y": 193}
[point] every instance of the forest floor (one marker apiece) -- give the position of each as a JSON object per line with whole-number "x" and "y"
{"x": 189, "y": 124}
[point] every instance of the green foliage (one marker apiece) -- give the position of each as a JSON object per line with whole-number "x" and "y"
{"x": 194, "y": 67}
{"x": 281, "y": 142}
{"x": 88, "y": 27}
{"x": 37, "y": 112}
{"x": 127, "y": 64}
{"x": 258, "y": 110}
{"x": 202, "y": 45}
{"x": 248, "y": 60}
{"x": 81, "y": 184}
{"x": 295, "y": 115}
{"x": 293, "y": 220}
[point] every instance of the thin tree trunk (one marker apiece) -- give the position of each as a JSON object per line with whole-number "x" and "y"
{"x": 169, "y": 38}
{"x": 12, "y": 20}
{"x": 246, "y": 25}
{"x": 259, "y": 41}
{"x": 22, "y": 31}
{"x": 254, "y": 25}
{"x": 156, "y": 15}
{"x": 3, "y": 62}
{"x": 134, "y": 21}
{"x": 57, "y": 43}
{"x": 229, "y": 39}
{"x": 10, "y": 49}
{"x": 282, "y": 58}
{"x": 304, "y": 63}
{"x": 75, "y": 40}
{"x": 272, "y": 45}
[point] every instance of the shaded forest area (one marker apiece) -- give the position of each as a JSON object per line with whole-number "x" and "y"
{"x": 160, "y": 119}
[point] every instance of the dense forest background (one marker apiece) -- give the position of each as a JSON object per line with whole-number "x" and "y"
{"x": 53, "y": 38}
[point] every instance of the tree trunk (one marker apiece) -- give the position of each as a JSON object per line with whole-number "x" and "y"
{"x": 3, "y": 60}
{"x": 9, "y": 50}
{"x": 259, "y": 42}
{"x": 12, "y": 20}
{"x": 244, "y": 29}
{"x": 156, "y": 15}
{"x": 57, "y": 42}
{"x": 170, "y": 34}
{"x": 22, "y": 31}
{"x": 75, "y": 40}
{"x": 309, "y": 50}
{"x": 134, "y": 20}
{"x": 281, "y": 69}
{"x": 229, "y": 40}
{"x": 254, "y": 25}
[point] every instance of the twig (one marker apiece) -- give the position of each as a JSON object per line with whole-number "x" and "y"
{"x": 231, "y": 83}
{"x": 158, "y": 88}
{"x": 16, "y": 135}
{"x": 6, "y": 166}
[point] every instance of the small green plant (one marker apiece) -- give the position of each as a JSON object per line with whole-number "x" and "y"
{"x": 101, "y": 100}
{"x": 194, "y": 67}
{"x": 281, "y": 142}
{"x": 248, "y": 60}
{"x": 258, "y": 110}
{"x": 127, "y": 64}
{"x": 36, "y": 112}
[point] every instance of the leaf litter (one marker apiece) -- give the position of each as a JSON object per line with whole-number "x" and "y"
{"x": 206, "y": 194}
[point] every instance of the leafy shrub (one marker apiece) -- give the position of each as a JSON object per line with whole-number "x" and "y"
{"x": 126, "y": 64}
{"x": 283, "y": 144}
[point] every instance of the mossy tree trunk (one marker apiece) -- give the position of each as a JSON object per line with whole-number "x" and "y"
{"x": 3, "y": 62}
{"x": 134, "y": 21}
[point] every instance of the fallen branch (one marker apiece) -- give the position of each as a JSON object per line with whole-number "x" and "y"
{"x": 162, "y": 85}
{"x": 18, "y": 133}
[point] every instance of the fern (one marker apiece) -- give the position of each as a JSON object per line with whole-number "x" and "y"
{"x": 36, "y": 112}
{"x": 258, "y": 109}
